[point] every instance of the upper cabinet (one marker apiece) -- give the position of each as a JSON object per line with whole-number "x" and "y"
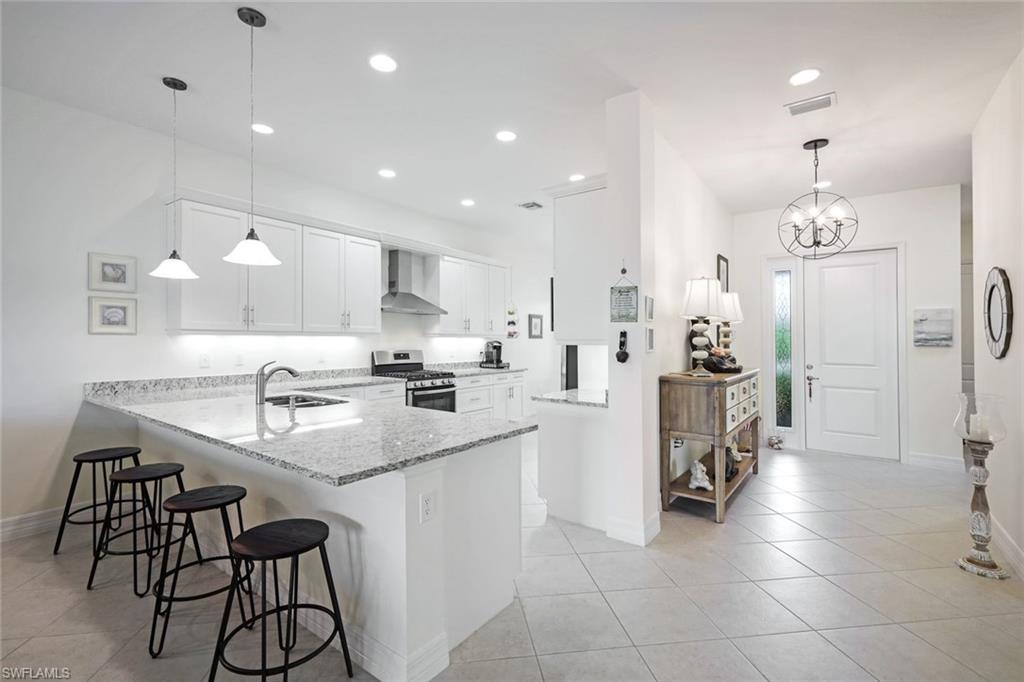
{"x": 580, "y": 268}
{"x": 341, "y": 282}
{"x": 219, "y": 299}
{"x": 362, "y": 285}
{"x": 275, "y": 291}
{"x": 327, "y": 281}
{"x": 474, "y": 294}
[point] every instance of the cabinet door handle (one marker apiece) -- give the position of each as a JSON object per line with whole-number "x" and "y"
{"x": 252, "y": 315}
{"x": 245, "y": 316}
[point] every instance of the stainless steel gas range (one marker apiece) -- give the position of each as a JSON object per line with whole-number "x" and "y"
{"x": 432, "y": 389}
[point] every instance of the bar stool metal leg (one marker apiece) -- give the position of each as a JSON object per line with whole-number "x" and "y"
{"x": 67, "y": 509}
{"x": 337, "y": 610}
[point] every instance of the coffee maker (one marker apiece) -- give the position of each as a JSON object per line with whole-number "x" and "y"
{"x": 492, "y": 356}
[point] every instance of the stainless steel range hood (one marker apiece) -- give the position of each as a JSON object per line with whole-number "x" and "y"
{"x": 400, "y": 298}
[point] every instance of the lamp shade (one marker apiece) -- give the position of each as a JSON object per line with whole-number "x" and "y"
{"x": 731, "y": 311}
{"x": 251, "y": 251}
{"x": 173, "y": 267}
{"x": 702, "y": 298}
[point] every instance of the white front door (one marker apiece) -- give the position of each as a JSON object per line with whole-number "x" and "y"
{"x": 851, "y": 350}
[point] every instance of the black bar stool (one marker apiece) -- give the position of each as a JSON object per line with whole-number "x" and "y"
{"x": 115, "y": 457}
{"x": 219, "y": 497}
{"x": 139, "y": 478}
{"x": 274, "y": 541}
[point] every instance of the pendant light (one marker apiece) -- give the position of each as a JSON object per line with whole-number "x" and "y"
{"x": 173, "y": 267}
{"x": 819, "y": 224}
{"x": 251, "y": 251}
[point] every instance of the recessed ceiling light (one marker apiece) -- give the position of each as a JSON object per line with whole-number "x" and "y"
{"x": 804, "y": 77}
{"x": 383, "y": 63}
{"x": 505, "y": 136}
{"x": 386, "y": 173}
{"x": 576, "y": 177}
{"x": 468, "y": 202}
{"x": 262, "y": 129}
{"x": 822, "y": 184}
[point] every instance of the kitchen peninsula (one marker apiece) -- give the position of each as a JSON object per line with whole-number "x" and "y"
{"x": 423, "y": 505}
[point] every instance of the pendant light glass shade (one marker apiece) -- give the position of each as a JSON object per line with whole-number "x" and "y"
{"x": 251, "y": 251}
{"x": 173, "y": 267}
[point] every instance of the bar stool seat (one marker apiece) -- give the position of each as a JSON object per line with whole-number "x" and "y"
{"x": 147, "y": 473}
{"x": 271, "y": 542}
{"x": 106, "y": 455}
{"x": 204, "y": 499}
{"x": 280, "y": 539}
{"x": 94, "y": 459}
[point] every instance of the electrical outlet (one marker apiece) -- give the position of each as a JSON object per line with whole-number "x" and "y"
{"x": 427, "y": 506}
{"x": 204, "y": 361}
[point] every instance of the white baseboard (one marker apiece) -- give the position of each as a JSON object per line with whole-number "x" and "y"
{"x": 1010, "y": 550}
{"x": 635, "y": 534}
{"x": 35, "y": 523}
{"x": 925, "y": 459}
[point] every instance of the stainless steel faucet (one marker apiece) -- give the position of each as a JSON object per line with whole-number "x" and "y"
{"x": 263, "y": 376}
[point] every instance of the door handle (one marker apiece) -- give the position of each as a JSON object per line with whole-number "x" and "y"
{"x": 810, "y": 386}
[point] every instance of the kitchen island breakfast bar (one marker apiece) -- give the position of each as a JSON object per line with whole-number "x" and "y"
{"x": 423, "y": 506}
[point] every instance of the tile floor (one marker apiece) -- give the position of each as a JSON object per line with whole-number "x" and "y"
{"x": 827, "y": 568}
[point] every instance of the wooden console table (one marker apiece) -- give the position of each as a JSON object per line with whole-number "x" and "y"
{"x": 709, "y": 410}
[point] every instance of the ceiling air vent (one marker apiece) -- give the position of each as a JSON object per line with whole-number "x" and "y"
{"x": 812, "y": 104}
{"x": 530, "y": 205}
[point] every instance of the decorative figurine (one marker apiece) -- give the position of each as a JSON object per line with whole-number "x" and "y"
{"x": 735, "y": 454}
{"x": 699, "y": 476}
{"x": 775, "y": 442}
{"x": 719, "y": 361}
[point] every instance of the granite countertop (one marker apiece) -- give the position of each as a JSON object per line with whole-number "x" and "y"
{"x": 583, "y": 397}
{"x": 335, "y": 444}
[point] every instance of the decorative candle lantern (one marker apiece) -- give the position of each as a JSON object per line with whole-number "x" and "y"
{"x": 981, "y": 426}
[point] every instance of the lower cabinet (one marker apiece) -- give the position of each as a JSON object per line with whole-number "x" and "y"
{"x": 499, "y": 396}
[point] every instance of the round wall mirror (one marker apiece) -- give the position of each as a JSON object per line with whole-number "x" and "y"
{"x": 997, "y": 312}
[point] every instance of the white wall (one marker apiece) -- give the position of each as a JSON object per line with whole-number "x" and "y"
{"x": 998, "y": 178}
{"x": 927, "y": 222}
{"x": 77, "y": 182}
{"x": 667, "y": 227}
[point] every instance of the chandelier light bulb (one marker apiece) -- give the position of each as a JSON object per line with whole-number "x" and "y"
{"x": 837, "y": 212}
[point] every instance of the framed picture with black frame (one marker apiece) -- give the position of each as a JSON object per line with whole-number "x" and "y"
{"x": 722, "y": 268}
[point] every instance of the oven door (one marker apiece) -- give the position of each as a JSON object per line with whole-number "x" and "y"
{"x": 432, "y": 398}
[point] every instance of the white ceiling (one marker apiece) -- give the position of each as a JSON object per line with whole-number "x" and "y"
{"x": 911, "y": 79}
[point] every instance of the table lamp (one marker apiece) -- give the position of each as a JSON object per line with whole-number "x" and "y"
{"x": 980, "y": 426}
{"x": 731, "y": 314}
{"x": 702, "y": 302}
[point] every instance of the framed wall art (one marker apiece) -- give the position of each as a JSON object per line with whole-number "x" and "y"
{"x": 536, "y": 326}
{"x": 722, "y": 270}
{"x": 108, "y": 272}
{"x": 933, "y": 327}
{"x": 113, "y": 315}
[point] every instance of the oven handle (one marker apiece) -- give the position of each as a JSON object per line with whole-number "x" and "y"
{"x": 433, "y": 391}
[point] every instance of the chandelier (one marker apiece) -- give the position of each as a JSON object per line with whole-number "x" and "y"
{"x": 819, "y": 224}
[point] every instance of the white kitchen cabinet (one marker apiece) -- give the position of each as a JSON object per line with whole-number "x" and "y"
{"x": 323, "y": 284}
{"x": 355, "y": 393}
{"x": 497, "y": 299}
{"x": 218, "y": 300}
{"x": 341, "y": 282}
{"x": 581, "y": 268}
{"x": 362, "y": 285}
{"x": 475, "y": 296}
{"x": 473, "y": 399}
{"x": 452, "y": 295}
{"x": 386, "y": 392}
{"x": 507, "y": 396}
{"x": 275, "y": 291}
{"x": 475, "y": 287}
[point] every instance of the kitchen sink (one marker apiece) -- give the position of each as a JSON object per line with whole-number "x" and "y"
{"x": 299, "y": 400}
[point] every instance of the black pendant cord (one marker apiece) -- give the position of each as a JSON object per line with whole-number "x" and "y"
{"x": 252, "y": 121}
{"x": 815, "y": 185}
{"x": 174, "y": 169}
